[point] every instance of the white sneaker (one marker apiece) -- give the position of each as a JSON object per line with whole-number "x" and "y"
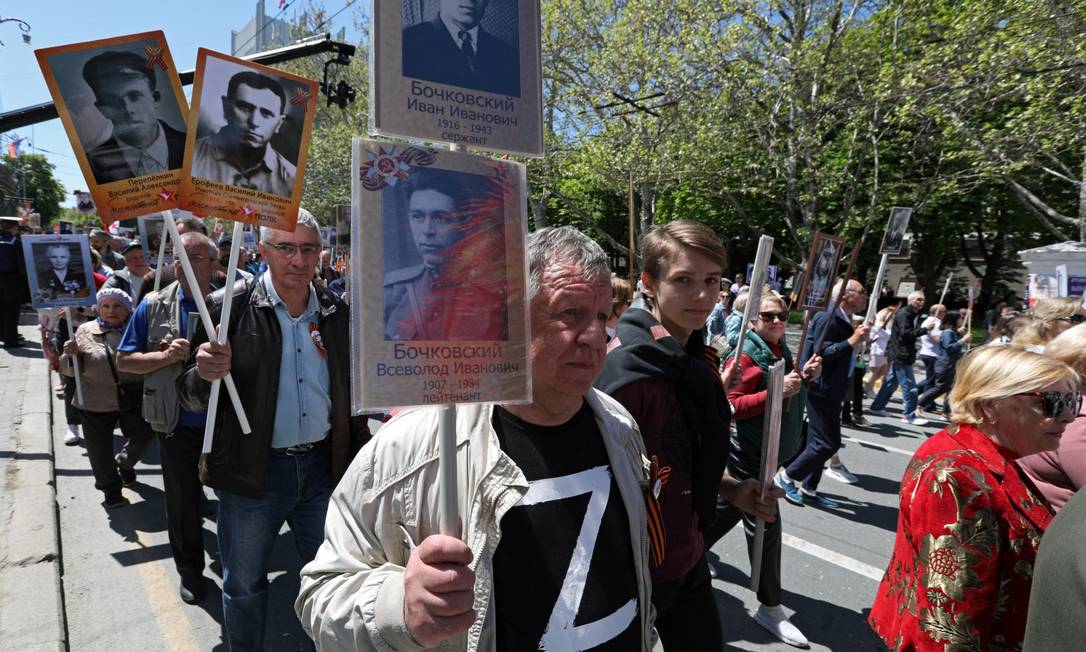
{"x": 71, "y": 435}
{"x": 776, "y": 622}
{"x": 840, "y": 473}
{"x": 915, "y": 421}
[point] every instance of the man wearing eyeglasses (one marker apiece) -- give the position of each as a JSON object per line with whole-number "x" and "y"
{"x": 825, "y": 395}
{"x": 240, "y": 154}
{"x": 156, "y": 344}
{"x": 288, "y": 355}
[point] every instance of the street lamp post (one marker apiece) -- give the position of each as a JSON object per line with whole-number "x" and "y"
{"x": 23, "y": 25}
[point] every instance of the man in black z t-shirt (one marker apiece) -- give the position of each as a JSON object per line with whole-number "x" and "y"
{"x": 554, "y": 549}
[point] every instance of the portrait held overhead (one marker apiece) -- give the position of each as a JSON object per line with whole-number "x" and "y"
{"x": 894, "y": 238}
{"x": 249, "y": 132}
{"x": 456, "y": 290}
{"x": 59, "y": 270}
{"x": 454, "y": 42}
{"x": 121, "y": 103}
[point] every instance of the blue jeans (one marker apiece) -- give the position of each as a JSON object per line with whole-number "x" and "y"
{"x": 900, "y": 374}
{"x": 296, "y": 492}
{"x": 929, "y": 373}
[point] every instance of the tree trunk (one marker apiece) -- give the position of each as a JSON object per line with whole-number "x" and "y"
{"x": 1082, "y": 199}
{"x": 648, "y": 205}
{"x": 539, "y": 212}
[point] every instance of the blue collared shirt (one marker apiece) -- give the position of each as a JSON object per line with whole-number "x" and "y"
{"x": 303, "y": 405}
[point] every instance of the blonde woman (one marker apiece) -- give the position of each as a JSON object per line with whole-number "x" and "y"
{"x": 1051, "y": 317}
{"x": 1062, "y": 472}
{"x": 970, "y": 522}
{"x": 621, "y": 297}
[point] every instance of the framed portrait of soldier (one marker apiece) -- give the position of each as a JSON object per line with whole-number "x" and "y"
{"x": 894, "y": 238}
{"x": 465, "y": 72}
{"x": 121, "y": 104}
{"x": 152, "y": 232}
{"x": 59, "y": 270}
{"x": 248, "y": 141}
{"x": 439, "y": 305}
{"x": 822, "y": 262}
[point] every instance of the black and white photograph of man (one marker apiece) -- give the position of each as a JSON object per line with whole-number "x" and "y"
{"x": 245, "y": 132}
{"x": 129, "y": 120}
{"x": 58, "y": 270}
{"x": 457, "y": 42}
{"x": 895, "y": 230}
{"x": 823, "y": 271}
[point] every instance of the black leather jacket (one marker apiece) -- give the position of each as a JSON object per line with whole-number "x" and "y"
{"x": 239, "y": 463}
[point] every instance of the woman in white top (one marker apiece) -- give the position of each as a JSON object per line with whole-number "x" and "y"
{"x": 927, "y": 343}
{"x": 880, "y": 335}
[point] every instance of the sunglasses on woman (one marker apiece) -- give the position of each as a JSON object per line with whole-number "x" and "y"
{"x": 1074, "y": 319}
{"x": 768, "y": 317}
{"x": 1054, "y": 403}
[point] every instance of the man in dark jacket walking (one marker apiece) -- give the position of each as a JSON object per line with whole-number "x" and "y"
{"x": 825, "y": 395}
{"x": 288, "y": 344}
{"x": 901, "y": 350}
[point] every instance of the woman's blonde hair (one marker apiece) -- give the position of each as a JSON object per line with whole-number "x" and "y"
{"x": 621, "y": 293}
{"x": 769, "y": 295}
{"x": 993, "y": 373}
{"x": 1038, "y": 333}
{"x": 1069, "y": 347}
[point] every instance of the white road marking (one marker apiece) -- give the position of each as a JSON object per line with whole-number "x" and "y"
{"x": 835, "y": 558}
{"x": 881, "y": 447}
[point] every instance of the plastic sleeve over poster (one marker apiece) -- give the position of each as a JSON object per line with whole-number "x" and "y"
{"x": 438, "y": 293}
{"x": 59, "y": 270}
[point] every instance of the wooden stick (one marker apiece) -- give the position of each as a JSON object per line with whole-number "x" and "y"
{"x": 873, "y": 301}
{"x": 224, "y": 328}
{"x": 205, "y": 316}
{"x": 946, "y": 286}
{"x": 754, "y": 293}
{"x": 75, "y": 358}
{"x": 841, "y": 294}
{"x": 771, "y": 435}
{"x": 163, "y": 237}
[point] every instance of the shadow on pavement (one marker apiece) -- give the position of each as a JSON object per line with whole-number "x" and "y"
{"x": 876, "y": 484}
{"x": 857, "y": 511}
{"x": 824, "y": 623}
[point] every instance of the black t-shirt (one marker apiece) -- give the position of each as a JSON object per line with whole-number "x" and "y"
{"x": 564, "y": 578}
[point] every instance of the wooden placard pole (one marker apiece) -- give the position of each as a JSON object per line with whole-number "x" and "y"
{"x": 946, "y": 287}
{"x": 224, "y": 328}
{"x": 754, "y": 294}
{"x": 205, "y": 316}
{"x": 840, "y": 295}
{"x": 771, "y": 436}
{"x": 75, "y": 358}
{"x": 163, "y": 237}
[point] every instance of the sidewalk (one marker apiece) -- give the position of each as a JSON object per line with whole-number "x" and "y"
{"x": 31, "y": 597}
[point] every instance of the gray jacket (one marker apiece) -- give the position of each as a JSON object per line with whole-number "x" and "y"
{"x": 352, "y": 593}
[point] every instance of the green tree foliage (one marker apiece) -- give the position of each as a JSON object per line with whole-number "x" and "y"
{"x": 31, "y": 176}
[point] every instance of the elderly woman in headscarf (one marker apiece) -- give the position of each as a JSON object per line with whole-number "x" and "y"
{"x": 970, "y": 521}
{"x": 109, "y": 396}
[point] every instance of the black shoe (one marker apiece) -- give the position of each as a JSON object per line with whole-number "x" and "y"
{"x": 128, "y": 476}
{"x": 193, "y": 591}
{"x": 114, "y": 500}
{"x": 13, "y": 345}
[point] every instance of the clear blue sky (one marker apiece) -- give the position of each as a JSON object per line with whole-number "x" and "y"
{"x": 188, "y": 24}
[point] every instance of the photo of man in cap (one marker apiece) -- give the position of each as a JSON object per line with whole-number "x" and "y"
{"x": 240, "y": 153}
{"x": 126, "y": 94}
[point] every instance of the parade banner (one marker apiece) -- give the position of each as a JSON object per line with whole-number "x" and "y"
{"x": 771, "y": 438}
{"x": 153, "y": 238}
{"x": 438, "y": 299}
{"x": 248, "y": 141}
{"x": 822, "y": 263}
{"x": 894, "y": 237}
{"x": 59, "y": 270}
{"x": 121, "y": 104}
{"x": 467, "y": 74}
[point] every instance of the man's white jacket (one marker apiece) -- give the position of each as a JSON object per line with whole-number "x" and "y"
{"x": 352, "y": 593}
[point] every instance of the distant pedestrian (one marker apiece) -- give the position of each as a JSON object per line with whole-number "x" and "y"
{"x": 13, "y": 288}
{"x": 926, "y": 343}
{"x": 1051, "y": 317}
{"x": 901, "y": 351}
{"x": 947, "y": 353}
{"x": 879, "y": 338}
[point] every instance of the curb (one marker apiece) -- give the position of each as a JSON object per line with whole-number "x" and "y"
{"x": 31, "y": 592}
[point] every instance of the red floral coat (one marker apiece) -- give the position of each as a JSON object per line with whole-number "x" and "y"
{"x": 967, "y": 535}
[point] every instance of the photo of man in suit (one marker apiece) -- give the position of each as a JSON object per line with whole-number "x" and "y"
{"x": 452, "y": 48}
{"x": 241, "y": 154}
{"x": 60, "y": 281}
{"x": 126, "y": 94}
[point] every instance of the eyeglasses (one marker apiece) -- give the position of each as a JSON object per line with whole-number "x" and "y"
{"x": 197, "y": 258}
{"x": 1054, "y": 403}
{"x": 289, "y": 250}
{"x": 1074, "y": 319}
{"x": 770, "y": 316}
{"x": 860, "y": 291}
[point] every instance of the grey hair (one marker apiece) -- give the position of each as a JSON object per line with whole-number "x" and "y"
{"x": 740, "y": 303}
{"x": 305, "y": 218}
{"x": 564, "y": 244}
{"x": 189, "y": 236}
{"x": 915, "y": 295}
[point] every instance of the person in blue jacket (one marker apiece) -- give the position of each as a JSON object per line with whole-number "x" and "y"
{"x": 947, "y": 353}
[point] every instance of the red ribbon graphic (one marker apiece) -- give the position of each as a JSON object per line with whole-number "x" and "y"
{"x": 155, "y": 56}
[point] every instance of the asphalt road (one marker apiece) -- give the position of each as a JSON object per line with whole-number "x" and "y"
{"x": 120, "y": 586}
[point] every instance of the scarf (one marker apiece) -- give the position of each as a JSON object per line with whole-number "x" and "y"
{"x": 647, "y": 351}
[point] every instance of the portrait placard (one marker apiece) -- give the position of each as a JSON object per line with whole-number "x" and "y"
{"x": 122, "y": 106}
{"x": 894, "y": 237}
{"x": 59, "y": 270}
{"x": 248, "y": 141}
{"x": 822, "y": 262}
{"x": 466, "y": 73}
{"x": 152, "y": 231}
{"x": 439, "y": 306}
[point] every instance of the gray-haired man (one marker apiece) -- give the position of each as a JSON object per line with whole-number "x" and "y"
{"x": 287, "y": 344}
{"x": 562, "y": 476}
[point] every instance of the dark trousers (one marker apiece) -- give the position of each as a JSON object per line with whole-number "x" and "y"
{"x": 686, "y": 615}
{"x": 929, "y": 373}
{"x": 943, "y": 381}
{"x": 98, "y": 435}
{"x": 744, "y": 464}
{"x": 71, "y": 412}
{"x": 180, "y": 453}
{"x": 12, "y": 290}
{"x": 823, "y": 442}
{"x": 854, "y": 398}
